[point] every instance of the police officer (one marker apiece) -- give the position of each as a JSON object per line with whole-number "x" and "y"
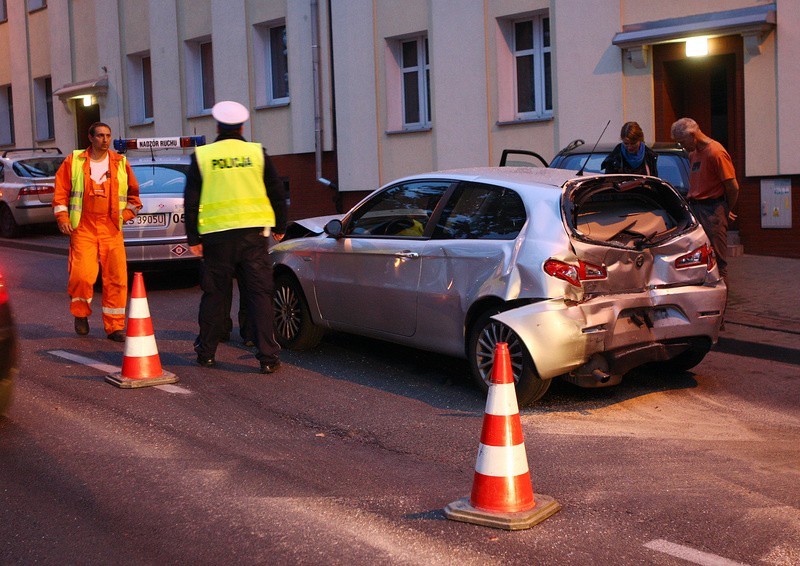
{"x": 234, "y": 200}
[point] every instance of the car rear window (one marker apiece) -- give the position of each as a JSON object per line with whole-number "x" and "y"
{"x": 635, "y": 214}
{"x": 160, "y": 178}
{"x": 37, "y": 167}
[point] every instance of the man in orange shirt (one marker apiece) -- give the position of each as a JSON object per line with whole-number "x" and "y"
{"x": 95, "y": 193}
{"x": 713, "y": 189}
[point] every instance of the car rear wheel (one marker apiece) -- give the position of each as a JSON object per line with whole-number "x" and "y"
{"x": 484, "y": 336}
{"x": 294, "y": 329}
{"x": 8, "y": 226}
{"x": 687, "y": 359}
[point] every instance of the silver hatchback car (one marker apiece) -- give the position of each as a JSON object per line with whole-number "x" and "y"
{"x": 585, "y": 277}
{"x": 156, "y": 237}
{"x": 27, "y": 181}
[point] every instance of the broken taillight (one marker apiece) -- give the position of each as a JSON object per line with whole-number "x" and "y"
{"x": 574, "y": 274}
{"x": 704, "y": 255}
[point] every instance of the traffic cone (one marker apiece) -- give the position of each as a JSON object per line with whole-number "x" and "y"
{"x": 141, "y": 365}
{"x": 502, "y": 496}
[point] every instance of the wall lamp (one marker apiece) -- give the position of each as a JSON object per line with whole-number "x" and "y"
{"x": 697, "y": 47}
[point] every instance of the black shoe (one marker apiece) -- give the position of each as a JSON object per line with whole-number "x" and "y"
{"x": 225, "y": 337}
{"x": 205, "y": 361}
{"x": 117, "y": 336}
{"x": 270, "y": 367}
{"x": 81, "y": 325}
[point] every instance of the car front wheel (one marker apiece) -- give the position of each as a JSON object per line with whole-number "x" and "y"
{"x": 294, "y": 329}
{"x": 484, "y": 335}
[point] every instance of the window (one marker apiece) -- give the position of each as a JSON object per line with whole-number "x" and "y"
{"x": 36, "y": 5}
{"x": 199, "y": 75}
{"x": 43, "y": 100}
{"x": 415, "y": 68}
{"x": 271, "y": 64}
{"x": 6, "y": 116}
{"x": 402, "y": 210}
{"x": 481, "y": 212}
{"x": 532, "y": 57}
{"x": 140, "y": 87}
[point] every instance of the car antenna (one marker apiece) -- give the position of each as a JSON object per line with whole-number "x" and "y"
{"x": 580, "y": 172}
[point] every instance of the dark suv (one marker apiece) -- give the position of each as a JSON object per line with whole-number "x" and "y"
{"x": 673, "y": 160}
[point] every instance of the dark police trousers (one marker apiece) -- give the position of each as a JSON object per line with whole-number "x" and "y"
{"x": 221, "y": 257}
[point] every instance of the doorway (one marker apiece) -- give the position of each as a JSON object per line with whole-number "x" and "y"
{"x": 708, "y": 89}
{"x": 85, "y": 116}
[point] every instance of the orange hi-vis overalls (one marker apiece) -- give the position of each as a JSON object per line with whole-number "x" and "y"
{"x": 97, "y": 243}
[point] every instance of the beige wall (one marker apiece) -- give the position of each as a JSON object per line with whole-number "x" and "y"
{"x": 787, "y": 119}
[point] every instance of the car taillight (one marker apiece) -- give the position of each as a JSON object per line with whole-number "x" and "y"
{"x": 704, "y": 255}
{"x": 36, "y": 190}
{"x": 574, "y": 274}
{"x": 3, "y": 291}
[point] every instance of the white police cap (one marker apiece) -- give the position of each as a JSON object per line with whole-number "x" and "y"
{"x": 230, "y": 113}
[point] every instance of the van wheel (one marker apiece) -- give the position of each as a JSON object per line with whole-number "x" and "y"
{"x": 294, "y": 329}
{"x": 8, "y": 226}
{"x": 484, "y": 335}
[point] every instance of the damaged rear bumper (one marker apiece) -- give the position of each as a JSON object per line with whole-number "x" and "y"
{"x": 626, "y": 329}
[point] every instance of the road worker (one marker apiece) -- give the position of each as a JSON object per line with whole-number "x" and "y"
{"x": 95, "y": 193}
{"x": 234, "y": 200}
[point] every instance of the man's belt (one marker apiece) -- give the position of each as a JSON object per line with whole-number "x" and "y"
{"x": 705, "y": 200}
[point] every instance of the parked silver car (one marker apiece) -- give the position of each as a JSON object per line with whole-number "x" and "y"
{"x": 584, "y": 277}
{"x": 27, "y": 181}
{"x": 156, "y": 237}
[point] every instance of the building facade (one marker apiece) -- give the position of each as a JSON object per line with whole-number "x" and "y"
{"x": 360, "y": 92}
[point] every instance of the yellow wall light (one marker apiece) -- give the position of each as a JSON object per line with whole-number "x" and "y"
{"x": 697, "y": 47}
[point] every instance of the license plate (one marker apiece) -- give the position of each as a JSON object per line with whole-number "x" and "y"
{"x": 144, "y": 220}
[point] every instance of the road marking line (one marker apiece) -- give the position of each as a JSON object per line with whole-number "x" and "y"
{"x": 107, "y": 369}
{"x": 690, "y": 554}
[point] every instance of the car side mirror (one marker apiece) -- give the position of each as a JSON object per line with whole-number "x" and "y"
{"x": 334, "y": 228}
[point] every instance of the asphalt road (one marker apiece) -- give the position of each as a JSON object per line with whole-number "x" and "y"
{"x": 350, "y": 452}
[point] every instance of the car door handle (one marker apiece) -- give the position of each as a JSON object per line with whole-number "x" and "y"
{"x": 407, "y": 255}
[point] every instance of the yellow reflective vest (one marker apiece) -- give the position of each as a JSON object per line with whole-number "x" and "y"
{"x": 76, "y": 194}
{"x": 232, "y": 194}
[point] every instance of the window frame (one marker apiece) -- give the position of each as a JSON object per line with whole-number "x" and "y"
{"x": 199, "y": 80}
{"x": 542, "y": 80}
{"x": 263, "y": 64}
{"x": 43, "y": 104}
{"x": 35, "y": 5}
{"x": 140, "y": 88}
{"x": 422, "y": 70}
{"x": 7, "y": 112}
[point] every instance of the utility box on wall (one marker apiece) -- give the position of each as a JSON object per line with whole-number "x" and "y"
{"x": 776, "y": 203}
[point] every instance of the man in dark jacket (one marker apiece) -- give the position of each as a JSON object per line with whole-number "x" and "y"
{"x": 233, "y": 201}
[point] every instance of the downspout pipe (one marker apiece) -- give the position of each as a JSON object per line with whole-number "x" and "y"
{"x": 317, "y": 69}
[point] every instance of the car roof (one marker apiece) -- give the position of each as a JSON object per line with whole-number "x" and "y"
{"x": 517, "y": 176}
{"x": 585, "y": 148}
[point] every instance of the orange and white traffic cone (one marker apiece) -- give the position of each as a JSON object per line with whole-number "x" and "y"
{"x": 141, "y": 365}
{"x": 502, "y": 496}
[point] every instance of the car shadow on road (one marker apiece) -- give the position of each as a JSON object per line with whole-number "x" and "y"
{"x": 446, "y": 382}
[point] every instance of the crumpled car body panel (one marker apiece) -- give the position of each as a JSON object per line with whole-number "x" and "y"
{"x": 562, "y": 336}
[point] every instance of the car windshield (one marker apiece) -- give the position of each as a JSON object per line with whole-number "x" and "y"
{"x": 669, "y": 167}
{"x": 37, "y": 167}
{"x": 160, "y": 178}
